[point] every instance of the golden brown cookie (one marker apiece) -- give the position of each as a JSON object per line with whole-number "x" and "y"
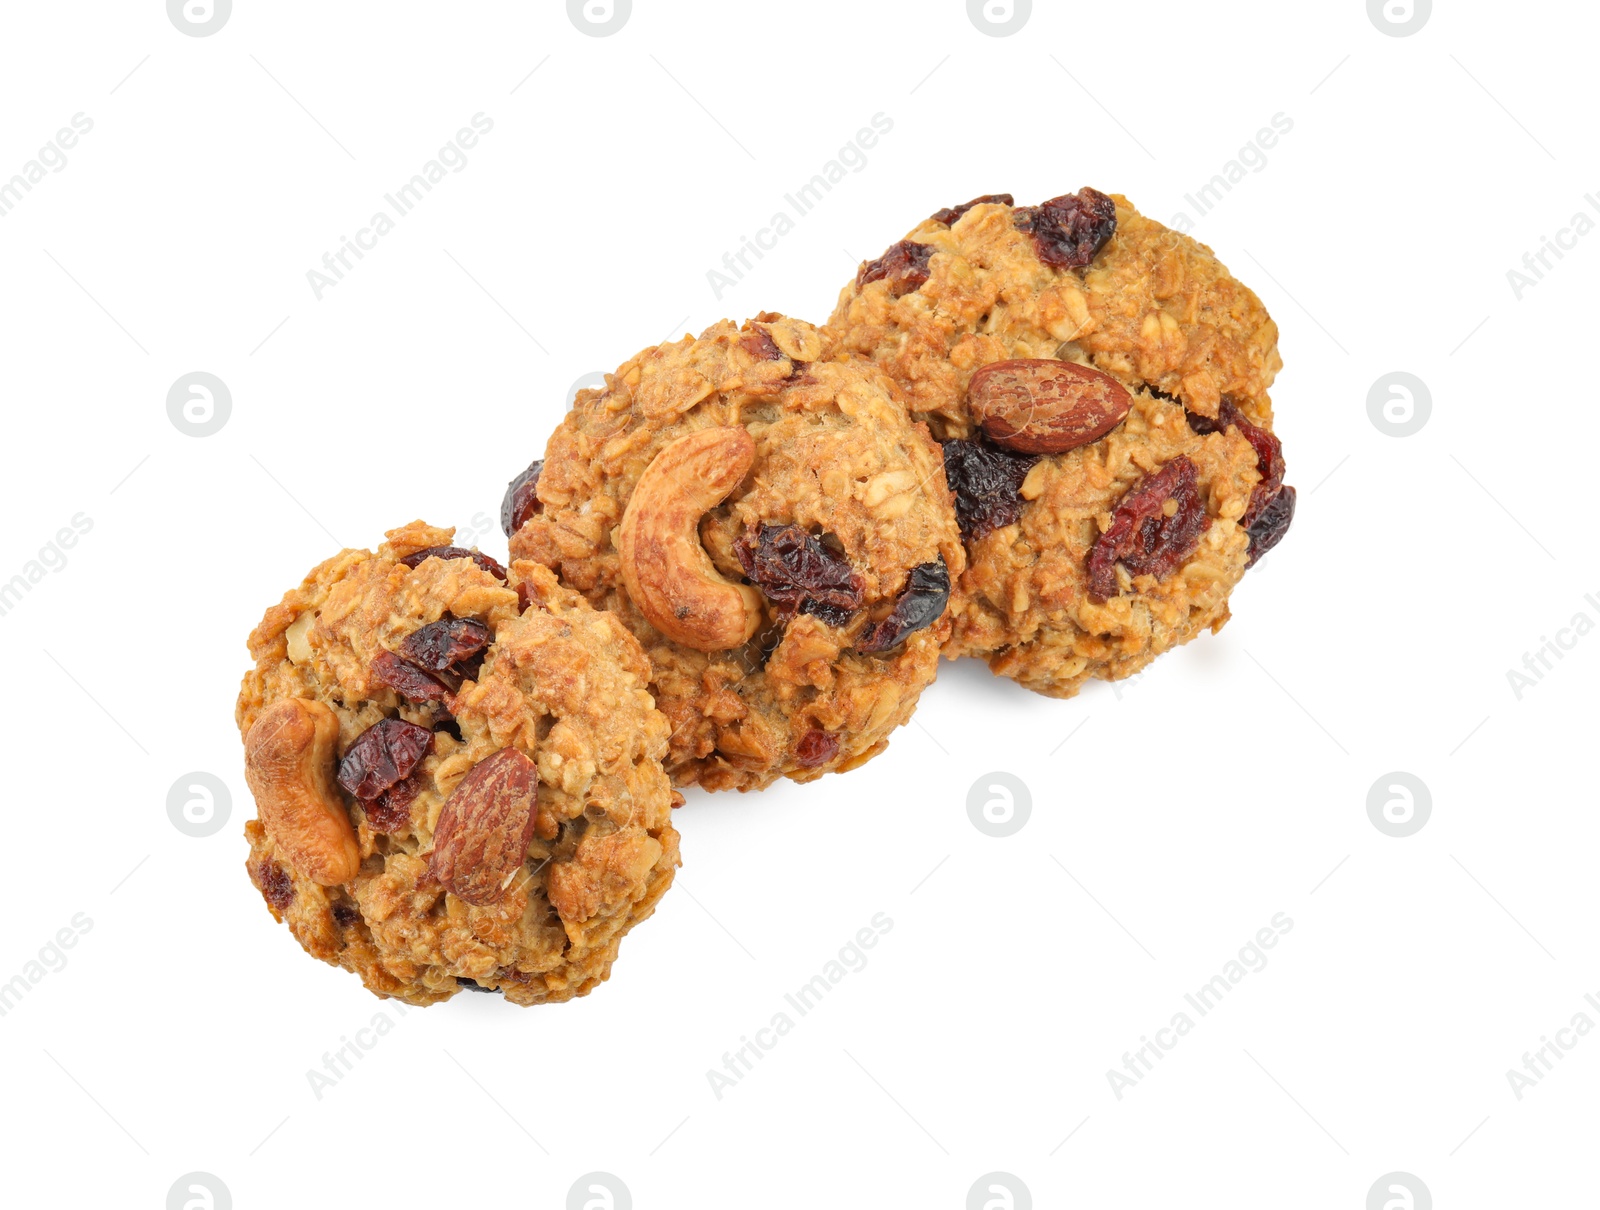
{"x": 776, "y": 531}
{"x": 456, "y": 788}
{"x": 1100, "y": 385}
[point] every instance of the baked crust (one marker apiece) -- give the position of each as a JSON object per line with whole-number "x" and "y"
{"x": 560, "y": 682}
{"x": 835, "y": 454}
{"x": 1154, "y": 309}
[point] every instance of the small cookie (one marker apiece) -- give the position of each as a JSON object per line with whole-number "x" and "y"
{"x": 456, "y": 788}
{"x": 1100, "y": 385}
{"x": 775, "y": 530}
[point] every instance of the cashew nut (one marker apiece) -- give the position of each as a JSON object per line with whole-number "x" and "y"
{"x": 667, "y": 571}
{"x": 289, "y": 763}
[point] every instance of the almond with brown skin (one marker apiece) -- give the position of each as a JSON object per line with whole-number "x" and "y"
{"x": 485, "y": 827}
{"x": 1040, "y": 406}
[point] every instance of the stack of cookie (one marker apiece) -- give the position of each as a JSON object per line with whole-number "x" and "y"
{"x": 1038, "y": 435}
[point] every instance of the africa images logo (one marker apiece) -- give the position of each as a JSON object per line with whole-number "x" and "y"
{"x": 999, "y": 18}
{"x": 599, "y": 18}
{"x": 199, "y": 18}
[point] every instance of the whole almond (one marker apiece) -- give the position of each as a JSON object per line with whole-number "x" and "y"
{"x": 1039, "y": 406}
{"x": 485, "y": 827}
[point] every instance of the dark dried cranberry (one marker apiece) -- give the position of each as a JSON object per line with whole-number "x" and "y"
{"x": 760, "y": 345}
{"x": 277, "y": 887}
{"x": 472, "y": 985}
{"x": 950, "y": 214}
{"x": 439, "y": 645}
{"x": 390, "y": 812}
{"x": 383, "y": 754}
{"x": 1269, "y": 461}
{"x": 798, "y": 574}
{"x": 1069, "y": 230}
{"x": 816, "y": 748}
{"x": 904, "y": 266}
{"x": 1271, "y": 524}
{"x": 921, "y": 604}
{"x": 457, "y": 552}
{"x": 409, "y": 681}
{"x": 1143, "y": 537}
{"x": 345, "y": 914}
{"x": 986, "y": 480}
{"x": 520, "y": 501}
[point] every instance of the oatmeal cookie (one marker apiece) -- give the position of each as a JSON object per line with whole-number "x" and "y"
{"x": 458, "y": 782}
{"x": 1100, "y": 385}
{"x": 776, "y": 531}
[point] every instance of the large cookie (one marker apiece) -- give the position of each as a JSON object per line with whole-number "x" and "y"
{"x": 777, "y": 532}
{"x": 456, "y": 788}
{"x": 1100, "y": 384}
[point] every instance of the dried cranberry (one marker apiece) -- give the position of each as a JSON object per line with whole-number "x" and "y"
{"x": 524, "y": 596}
{"x": 816, "y": 748}
{"x": 438, "y": 645}
{"x": 409, "y": 681}
{"x": 345, "y": 914}
{"x": 277, "y": 887}
{"x": 921, "y": 604}
{"x": 1143, "y": 537}
{"x": 904, "y": 266}
{"x": 520, "y": 501}
{"x": 390, "y": 812}
{"x": 798, "y": 574}
{"x": 950, "y": 214}
{"x": 1269, "y": 454}
{"x": 383, "y": 754}
{"x": 1271, "y": 524}
{"x": 760, "y": 345}
{"x": 456, "y": 552}
{"x": 1068, "y": 231}
{"x": 986, "y": 480}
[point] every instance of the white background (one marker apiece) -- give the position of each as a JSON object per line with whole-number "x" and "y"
{"x": 1172, "y": 817}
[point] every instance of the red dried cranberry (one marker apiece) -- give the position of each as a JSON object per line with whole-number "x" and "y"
{"x": 441, "y": 644}
{"x": 390, "y": 812}
{"x": 1068, "y": 231}
{"x": 950, "y": 214}
{"x": 760, "y": 345}
{"x": 383, "y": 754}
{"x": 521, "y": 501}
{"x": 922, "y": 603}
{"x": 456, "y": 552}
{"x": 409, "y": 681}
{"x": 1269, "y": 454}
{"x": 904, "y": 266}
{"x": 1271, "y": 524}
{"x": 524, "y": 596}
{"x": 986, "y": 480}
{"x": 816, "y": 748}
{"x": 798, "y": 574}
{"x": 1142, "y": 537}
{"x": 277, "y": 887}
{"x": 345, "y": 914}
